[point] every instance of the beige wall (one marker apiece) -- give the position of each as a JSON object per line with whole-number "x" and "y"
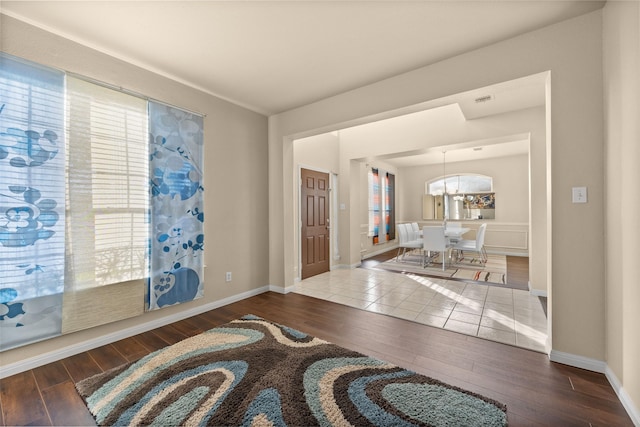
{"x": 320, "y": 151}
{"x": 622, "y": 155}
{"x": 235, "y": 140}
{"x": 571, "y": 50}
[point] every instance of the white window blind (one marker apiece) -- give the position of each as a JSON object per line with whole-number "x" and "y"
{"x": 107, "y": 186}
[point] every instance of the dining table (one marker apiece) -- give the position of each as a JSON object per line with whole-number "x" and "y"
{"x": 455, "y": 233}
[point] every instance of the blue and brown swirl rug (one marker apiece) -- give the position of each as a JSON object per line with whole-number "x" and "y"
{"x": 253, "y": 372}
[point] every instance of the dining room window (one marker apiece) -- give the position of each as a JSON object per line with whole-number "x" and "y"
{"x": 459, "y": 183}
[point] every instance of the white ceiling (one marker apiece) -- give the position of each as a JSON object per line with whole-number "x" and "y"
{"x": 273, "y": 56}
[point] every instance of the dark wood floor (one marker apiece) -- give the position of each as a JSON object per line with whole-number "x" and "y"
{"x": 535, "y": 390}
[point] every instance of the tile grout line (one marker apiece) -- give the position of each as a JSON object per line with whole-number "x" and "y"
{"x": 457, "y": 293}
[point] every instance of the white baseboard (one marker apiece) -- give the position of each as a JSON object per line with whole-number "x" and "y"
{"x": 506, "y": 253}
{"x": 283, "y": 290}
{"x": 537, "y": 292}
{"x": 346, "y": 266}
{"x": 62, "y": 353}
{"x": 578, "y": 361}
{"x": 629, "y": 406}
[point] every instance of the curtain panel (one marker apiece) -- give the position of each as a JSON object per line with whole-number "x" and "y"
{"x": 32, "y": 202}
{"x": 381, "y": 188}
{"x": 390, "y": 216}
{"x": 107, "y": 205}
{"x": 374, "y": 206}
{"x": 177, "y": 206}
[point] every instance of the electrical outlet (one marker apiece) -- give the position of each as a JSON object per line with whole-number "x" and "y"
{"x": 227, "y": 277}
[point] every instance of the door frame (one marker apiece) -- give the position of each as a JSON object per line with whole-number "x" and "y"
{"x": 333, "y": 221}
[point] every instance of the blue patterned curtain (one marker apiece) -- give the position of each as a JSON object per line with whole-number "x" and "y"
{"x": 177, "y": 210}
{"x": 32, "y": 202}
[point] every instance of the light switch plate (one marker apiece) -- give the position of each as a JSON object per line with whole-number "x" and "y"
{"x": 579, "y": 195}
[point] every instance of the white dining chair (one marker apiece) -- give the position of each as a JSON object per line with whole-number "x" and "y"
{"x": 434, "y": 240}
{"x": 415, "y": 228}
{"x": 406, "y": 242}
{"x": 476, "y": 245}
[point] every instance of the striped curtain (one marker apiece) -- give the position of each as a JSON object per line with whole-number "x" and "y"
{"x": 382, "y": 221}
{"x": 390, "y": 211}
{"x": 374, "y": 205}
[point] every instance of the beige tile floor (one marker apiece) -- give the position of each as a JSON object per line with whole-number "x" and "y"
{"x": 505, "y": 315}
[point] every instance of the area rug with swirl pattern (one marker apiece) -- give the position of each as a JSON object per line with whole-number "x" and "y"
{"x": 255, "y": 372}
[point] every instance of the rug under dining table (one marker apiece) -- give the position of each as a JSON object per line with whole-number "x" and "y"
{"x": 494, "y": 271}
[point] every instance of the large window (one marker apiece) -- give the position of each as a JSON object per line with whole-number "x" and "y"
{"x": 101, "y": 201}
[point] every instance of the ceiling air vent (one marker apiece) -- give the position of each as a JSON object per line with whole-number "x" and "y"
{"x": 484, "y": 98}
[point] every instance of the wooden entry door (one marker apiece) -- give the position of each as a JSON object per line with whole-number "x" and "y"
{"x": 314, "y": 215}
